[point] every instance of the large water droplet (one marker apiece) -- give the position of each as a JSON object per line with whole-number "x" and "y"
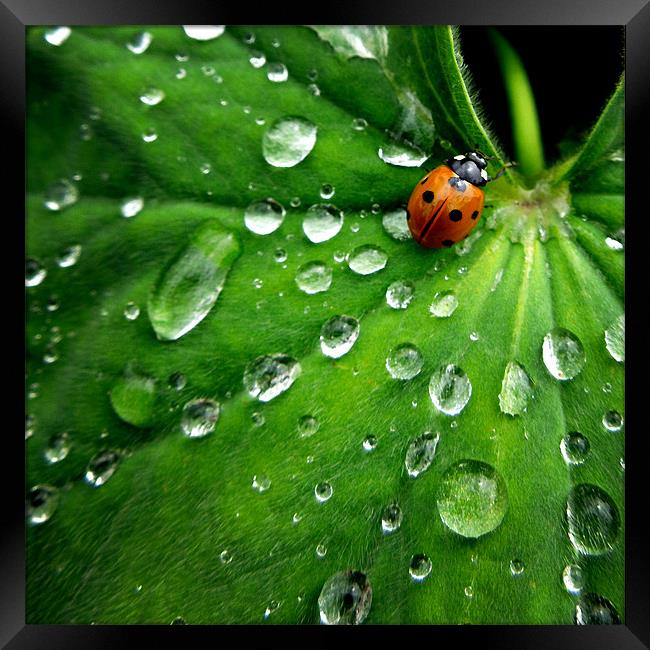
{"x": 314, "y": 277}
{"x": 613, "y": 421}
{"x": 270, "y": 375}
{"x": 101, "y": 467}
{"x": 399, "y": 294}
{"x": 200, "y": 417}
{"x": 574, "y": 447}
{"x": 58, "y": 35}
{"x": 60, "y": 195}
{"x": 420, "y": 567}
{"x": 189, "y": 286}
{"x": 338, "y": 335}
{"x": 140, "y": 43}
{"x": 34, "y": 272}
{"x": 450, "y": 389}
{"x": 563, "y": 354}
{"x": 42, "y": 501}
{"x": 573, "y": 579}
{"x": 323, "y": 491}
{"x": 404, "y": 362}
{"x": 615, "y": 339}
{"x": 592, "y": 609}
{"x": 401, "y": 155}
{"x": 444, "y": 304}
{"x": 420, "y": 453}
{"x": 592, "y": 518}
{"x": 57, "y": 448}
{"x": 391, "y": 518}
{"x": 204, "y": 32}
{"x": 516, "y": 389}
{"x": 322, "y": 222}
{"x": 264, "y": 217}
{"x": 472, "y": 499}
{"x": 396, "y": 225}
{"x": 288, "y": 141}
{"x": 345, "y": 599}
{"x": 367, "y": 259}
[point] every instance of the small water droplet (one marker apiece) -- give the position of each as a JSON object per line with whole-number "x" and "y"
{"x": 152, "y": 96}
{"x": 261, "y": 483}
{"x": 140, "y": 43}
{"x": 420, "y": 453}
{"x": 613, "y": 421}
{"x": 271, "y": 607}
{"x": 277, "y": 72}
{"x": 323, "y": 492}
{"x": 177, "y": 381}
{"x": 200, "y": 417}
{"x": 204, "y": 32}
{"x": 280, "y": 255}
{"x": 338, "y": 335}
{"x": 35, "y": 272}
{"x": 258, "y": 283}
{"x": 450, "y": 389}
{"x": 295, "y": 202}
{"x": 573, "y": 579}
{"x": 615, "y": 339}
{"x": 370, "y": 443}
{"x": 469, "y": 591}
{"x": 391, "y": 518}
{"x": 57, "y": 35}
{"x": 400, "y": 294}
{"x": 321, "y": 550}
{"x": 288, "y": 141}
{"x": 592, "y": 609}
{"x": 314, "y": 277}
{"x": 225, "y": 557}
{"x": 359, "y": 124}
{"x": 517, "y": 567}
{"x": 367, "y": 259}
{"x": 101, "y": 467}
{"x": 69, "y": 256}
{"x": 258, "y": 419}
{"x": 322, "y": 222}
{"x": 181, "y": 73}
{"x": 593, "y": 519}
{"x": 575, "y": 448}
{"x": 497, "y": 280}
{"x": 563, "y": 354}
{"x": 404, "y": 361}
{"x": 50, "y": 355}
{"x": 297, "y": 517}
{"x": 131, "y": 207}
{"x": 308, "y": 425}
{"x": 444, "y": 304}
{"x": 345, "y": 599}
{"x": 516, "y": 390}
{"x": 57, "y": 448}
{"x": 315, "y": 91}
{"x": 150, "y": 135}
{"x": 269, "y": 375}
{"x": 131, "y": 311}
{"x": 420, "y": 567}
{"x": 42, "y": 501}
{"x": 61, "y": 195}
{"x": 472, "y": 499}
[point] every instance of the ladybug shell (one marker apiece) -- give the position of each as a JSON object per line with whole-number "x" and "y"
{"x": 443, "y": 208}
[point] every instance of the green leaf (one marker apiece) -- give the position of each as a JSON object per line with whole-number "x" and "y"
{"x": 240, "y": 507}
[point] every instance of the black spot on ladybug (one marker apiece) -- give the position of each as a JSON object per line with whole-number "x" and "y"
{"x": 455, "y": 215}
{"x": 457, "y": 183}
{"x": 408, "y": 215}
{"x": 475, "y": 214}
{"x": 427, "y": 196}
{"x": 425, "y": 180}
{"x": 447, "y": 243}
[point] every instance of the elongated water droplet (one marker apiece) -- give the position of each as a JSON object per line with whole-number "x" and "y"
{"x": 58, "y": 35}
{"x": 444, "y": 304}
{"x": 60, "y": 195}
{"x": 516, "y": 390}
{"x": 338, "y": 335}
{"x": 101, "y": 467}
{"x": 189, "y": 286}
{"x": 140, "y": 43}
{"x": 204, "y": 32}
{"x": 420, "y": 567}
{"x": 314, "y": 277}
{"x": 35, "y": 272}
{"x": 404, "y": 362}
{"x": 593, "y": 519}
{"x": 270, "y": 375}
{"x": 322, "y": 222}
{"x": 323, "y": 491}
{"x": 472, "y": 499}
{"x": 200, "y": 417}
{"x": 575, "y": 448}
{"x": 133, "y": 398}
{"x": 264, "y": 217}
{"x": 391, "y": 518}
{"x": 345, "y": 599}
{"x": 396, "y": 225}
{"x": 367, "y": 259}
{"x": 563, "y": 354}
{"x": 288, "y": 141}
{"x": 308, "y": 425}
{"x": 401, "y": 155}
{"x": 450, "y": 389}
{"x": 57, "y": 448}
{"x": 573, "y": 579}
{"x": 615, "y": 339}
{"x": 592, "y": 609}
{"x": 400, "y": 294}
{"x": 420, "y": 453}
{"x": 152, "y": 96}
{"x": 613, "y": 421}
{"x": 42, "y": 501}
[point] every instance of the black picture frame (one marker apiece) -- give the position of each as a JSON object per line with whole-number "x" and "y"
{"x": 16, "y": 15}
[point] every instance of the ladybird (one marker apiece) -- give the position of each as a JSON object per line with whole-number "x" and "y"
{"x": 447, "y": 203}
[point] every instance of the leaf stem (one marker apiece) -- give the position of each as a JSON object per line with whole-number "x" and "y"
{"x": 529, "y": 151}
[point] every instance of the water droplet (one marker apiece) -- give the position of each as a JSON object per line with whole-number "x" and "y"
{"x": 271, "y": 607}
{"x": 190, "y": 284}
{"x": 321, "y": 550}
{"x": 517, "y": 567}
{"x": 295, "y": 202}
{"x": 204, "y": 32}
{"x": 69, "y": 256}
{"x": 264, "y": 217}
{"x": 323, "y": 492}
{"x": 613, "y": 421}
{"x": 370, "y": 443}
{"x": 391, "y": 518}
{"x": 277, "y": 72}
{"x": 101, "y": 467}
{"x": 140, "y": 43}
{"x": 270, "y": 375}
{"x": 280, "y": 255}
{"x": 573, "y": 579}
{"x": 615, "y": 339}
{"x": 152, "y": 96}
{"x": 288, "y": 141}
{"x": 261, "y": 483}
{"x": 297, "y": 517}
{"x": 404, "y": 362}
{"x": 181, "y": 73}
{"x": 516, "y": 390}
{"x": 207, "y": 70}
{"x": 367, "y": 259}
{"x": 86, "y": 133}
{"x": 469, "y": 591}
{"x": 420, "y": 453}
{"x": 52, "y": 304}
{"x": 322, "y": 222}
{"x": 131, "y": 311}
{"x": 327, "y": 191}
{"x": 307, "y": 426}
{"x": 345, "y": 599}
{"x": 200, "y": 417}
{"x": 57, "y": 448}
{"x": 420, "y": 567}
{"x": 150, "y": 135}
{"x": 614, "y": 244}
{"x": 593, "y": 519}
{"x": 177, "y": 381}
{"x": 258, "y": 283}
{"x": 179, "y": 620}
{"x": 42, "y": 501}
{"x": 359, "y": 124}
{"x": 396, "y": 225}
{"x": 497, "y": 280}
{"x": 225, "y": 557}
{"x": 563, "y": 354}
{"x": 314, "y": 90}
{"x": 592, "y": 609}
{"x": 34, "y": 272}
{"x": 314, "y": 277}
{"x": 50, "y": 355}
{"x": 338, "y": 335}
{"x": 257, "y": 59}
{"x": 400, "y": 294}
{"x": 60, "y": 195}
{"x": 258, "y": 419}
{"x": 474, "y": 336}
{"x": 58, "y": 35}
{"x": 401, "y": 155}
{"x": 574, "y": 447}
{"x": 472, "y": 499}
{"x": 444, "y": 304}
{"x": 450, "y": 389}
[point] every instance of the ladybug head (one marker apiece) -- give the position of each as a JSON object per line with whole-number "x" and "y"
{"x": 470, "y": 167}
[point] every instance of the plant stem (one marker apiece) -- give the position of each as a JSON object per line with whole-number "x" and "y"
{"x": 529, "y": 151}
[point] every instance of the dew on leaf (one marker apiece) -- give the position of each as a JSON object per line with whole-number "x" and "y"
{"x": 359, "y": 124}
{"x": 396, "y": 225}
{"x": 131, "y": 311}
{"x": 592, "y": 609}
{"x": 517, "y": 567}
{"x": 261, "y": 483}
{"x": 270, "y": 375}
{"x": 401, "y": 155}
{"x": 613, "y": 421}
{"x": 288, "y": 141}
{"x": 404, "y": 361}
{"x": 35, "y": 272}
{"x": 575, "y": 448}
{"x": 327, "y": 191}
{"x": 322, "y": 222}
{"x": 367, "y": 259}
{"x": 264, "y": 217}
{"x": 204, "y": 32}
{"x": 615, "y": 339}
{"x": 400, "y": 294}
{"x": 314, "y": 277}
{"x": 60, "y": 195}
{"x": 573, "y": 579}
{"x": 69, "y": 256}
{"x": 101, "y": 467}
{"x": 57, "y": 35}
{"x": 323, "y": 491}
{"x": 321, "y": 550}
{"x": 133, "y": 399}
{"x": 338, "y": 335}
{"x": 563, "y": 354}
{"x": 391, "y": 518}
{"x": 140, "y": 43}
{"x": 177, "y": 381}
{"x": 277, "y": 72}
{"x": 152, "y": 96}
{"x": 308, "y": 425}
{"x": 369, "y": 443}
{"x": 271, "y": 607}
{"x": 200, "y": 417}
{"x": 57, "y": 448}
{"x": 345, "y": 599}
{"x": 444, "y": 304}
{"x": 225, "y": 557}
{"x": 150, "y": 134}
{"x": 42, "y": 501}
{"x": 516, "y": 390}
{"x": 179, "y": 620}
{"x": 450, "y": 389}
{"x": 420, "y": 453}
{"x": 420, "y": 567}
{"x": 257, "y": 59}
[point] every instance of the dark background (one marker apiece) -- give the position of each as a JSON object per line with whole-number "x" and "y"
{"x": 572, "y": 70}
